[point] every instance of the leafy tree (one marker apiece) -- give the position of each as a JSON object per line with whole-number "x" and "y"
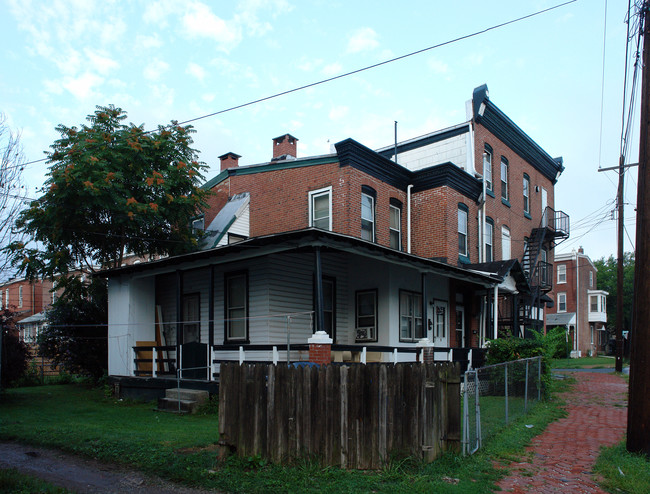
{"x": 607, "y": 275}
{"x": 76, "y": 337}
{"x": 112, "y": 188}
{"x": 14, "y": 354}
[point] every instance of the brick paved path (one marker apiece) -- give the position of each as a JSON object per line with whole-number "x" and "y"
{"x": 564, "y": 454}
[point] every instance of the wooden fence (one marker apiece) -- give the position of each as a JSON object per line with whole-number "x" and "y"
{"x": 353, "y": 416}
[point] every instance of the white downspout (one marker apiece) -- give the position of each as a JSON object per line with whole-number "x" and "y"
{"x": 577, "y": 343}
{"x": 408, "y": 218}
{"x": 496, "y": 311}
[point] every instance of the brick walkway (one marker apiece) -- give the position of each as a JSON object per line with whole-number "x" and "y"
{"x": 564, "y": 454}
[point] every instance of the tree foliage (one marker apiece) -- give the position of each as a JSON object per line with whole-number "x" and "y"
{"x": 76, "y": 335}
{"x": 112, "y": 188}
{"x": 14, "y": 352}
{"x": 607, "y": 276}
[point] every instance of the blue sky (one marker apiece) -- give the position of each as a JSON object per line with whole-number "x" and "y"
{"x": 164, "y": 60}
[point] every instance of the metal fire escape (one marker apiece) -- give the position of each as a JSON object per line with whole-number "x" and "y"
{"x": 553, "y": 230}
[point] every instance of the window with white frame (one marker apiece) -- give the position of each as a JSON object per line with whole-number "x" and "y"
{"x": 526, "y": 194}
{"x": 236, "y": 309}
{"x": 505, "y": 243}
{"x": 320, "y": 208}
{"x": 504, "y": 179}
{"x": 462, "y": 230}
{"x": 489, "y": 240}
{"x": 593, "y": 303}
{"x": 366, "y": 315}
{"x": 395, "y": 226}
{"x": 561, "y": 273}
{"x": 410, "y": 312}
{"x": 20, "y": 296}
{"x": 487, "y": 167}
{"x": 591, "y": 279}
{"x": 561, "y": 302}
{"x": 7, "y": 298}
{"x": 368, "y": 196}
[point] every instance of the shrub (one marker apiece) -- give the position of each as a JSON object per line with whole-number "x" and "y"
{"x": 14, "y": 352}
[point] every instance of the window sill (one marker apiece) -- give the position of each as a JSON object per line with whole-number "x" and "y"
{"x": 527, "y": 215}
{"x": 463, "y": 259}
{"x": 489, "y": 192}
{"x": 505, "y": 202}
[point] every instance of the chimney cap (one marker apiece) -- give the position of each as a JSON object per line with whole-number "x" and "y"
{"x": 229, "y": 155}
{"x": 281, "y": 138}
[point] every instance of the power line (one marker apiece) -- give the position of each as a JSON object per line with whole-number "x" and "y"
{"x": 350, "y": 73}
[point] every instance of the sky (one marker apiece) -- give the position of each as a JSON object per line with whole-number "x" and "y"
{"x": 558, "y": 75}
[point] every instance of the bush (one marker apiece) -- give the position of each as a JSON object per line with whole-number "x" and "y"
{"x": 15, "y": 353}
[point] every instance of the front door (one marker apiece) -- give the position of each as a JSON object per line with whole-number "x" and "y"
{"x": 191, "y": 318}
{"x": 440, "y": 324}
{"x": 194, "y": 358}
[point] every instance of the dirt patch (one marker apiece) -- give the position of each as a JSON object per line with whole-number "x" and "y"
{"x": 82, "y": 475}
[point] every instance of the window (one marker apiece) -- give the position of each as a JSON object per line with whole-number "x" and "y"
{"x": 505, "y": 243}
{"x": 462, "y": 230}
{"x": 236, "y": 310}
{"x": 460, "y": 324}
{"x": 368, "y": 196}
{"x": 395, "y": 224}
{"x": 410, "y": 313}
{"x": 593, "y": 303}
{"x": 20, "y": 296}
{"x": 191, "y": 318}
{"x": 366, "y": 315}
{"x": 561, "y": 302}
{"x": 320, "y": 208}
{"x": 487, "y": 167}
{"x": 7, "y": 298}
{"x": 591, "y": 326}
{"x": 526, "y": 194}
{"x": 591, "y": 279}
{"x": 504, "y": 178}
{"x": 561, "y": 273}
{"x": 489, "y": 240}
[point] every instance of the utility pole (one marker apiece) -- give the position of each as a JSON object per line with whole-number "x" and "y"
{"x": 638, "y": 425}
{"x": 619, "y": 267}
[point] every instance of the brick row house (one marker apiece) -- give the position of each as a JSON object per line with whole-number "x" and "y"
{"x": 580, "y": 306}
{"x": 378, "y": 248}
{"x": 28, "y": 301}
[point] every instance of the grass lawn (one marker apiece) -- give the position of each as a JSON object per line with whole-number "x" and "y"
{"x": 623, "y": 471}
{"x": 16, "y": 482}
{"x": 584, "y": 363}
{"x": 81, "y": 420}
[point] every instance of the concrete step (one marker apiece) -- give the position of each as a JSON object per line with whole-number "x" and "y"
{"x": 199, "y": 396}
{"x": 172, "y": 405}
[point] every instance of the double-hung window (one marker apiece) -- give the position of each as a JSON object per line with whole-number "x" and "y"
{"x": 561, "y": 302}
{"x": 462, "y": 230}
{"x": 561, "y": 273}
{"x": 236, "y": 306}
{"x": 489, "y": 240}
{"x": 320, "y": 208}
{"x": 487, "y": 167}
{"x": 505, "y": 243}
{"x": 20, "y": 296}
{"x": 395, "y": 224}
{"x": 368, "y": 197}
{"x": 410, "y": 313}
{"x": 504, "y": 178}
{"x": 591, "y": 279}
{"x": 366, "y": 315}
{"x": 526, "y": 194}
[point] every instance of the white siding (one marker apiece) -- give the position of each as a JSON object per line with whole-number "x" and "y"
{"x": 241, "y": 226}
{"x": 453, "y": 149}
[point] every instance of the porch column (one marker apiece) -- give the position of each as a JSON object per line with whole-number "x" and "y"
{"x": 425, "y": 315}
{"x": 179, "y": 307}
{"x": 211, "y": 308}
{"x": 320, "y": 318}
{"x": 496, "y": 312}
{"x": 427, "y": 350}
{"x": 320, "y": 348}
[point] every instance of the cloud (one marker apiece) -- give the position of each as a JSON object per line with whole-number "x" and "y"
{"x": 332, "y": 69}
{"x": 196, "y": 71}
{"x": 82, "y": 87}
{"x": 362, "y": 39}
{"x": 438, "y": 66}
{"x": 148, "y": 42}
{"x": 309, "y": 65}
{"x": 338, "y": 112}
{"x": 100, "y": 62}
{"x": 248, "y": 17}
{"x": 155, "y": 69}
{"x": 200, "y": 22}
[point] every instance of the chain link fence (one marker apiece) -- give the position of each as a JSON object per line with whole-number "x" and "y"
{"x": 495, "y": 395}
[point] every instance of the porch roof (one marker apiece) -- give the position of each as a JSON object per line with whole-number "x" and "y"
{"x": 504, "y": 269}
{"x": 306, "y": 240}
{"x": 562, "y": 319}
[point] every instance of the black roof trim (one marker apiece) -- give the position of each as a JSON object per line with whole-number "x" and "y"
{"x": 450, "y": 175}
{"x": 497, "y": 122}
{"x": 503, "y": 269}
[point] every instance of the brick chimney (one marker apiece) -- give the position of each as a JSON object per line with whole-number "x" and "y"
{"x": 285, "y": 146}
{"x": 581, "y": 250}
{"x": 229, "y": 160}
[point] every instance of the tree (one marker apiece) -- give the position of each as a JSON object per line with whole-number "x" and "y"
{"x": 112, "y": 188}
{"x": 607, "y": 273}
{"x": 13, "y": 352}
{"x": 76, "y": 333}
{"x": 12, "y": 192}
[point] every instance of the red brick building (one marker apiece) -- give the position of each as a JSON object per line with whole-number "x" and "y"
{"x": 26, "y": 299}
{"x": 579, "y": 305}
{"x": 476, "y": 195}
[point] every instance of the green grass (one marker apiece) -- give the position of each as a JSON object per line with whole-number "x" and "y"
{"x": 16, "y": 482}
{"x": 634, "y": 474}
{"x": 77, "y": 419}
{"x": 584, "y": 362}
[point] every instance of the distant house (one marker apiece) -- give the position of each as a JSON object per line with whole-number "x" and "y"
{"x": 26, "y": 299}
{"x": 579, "y": 305}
